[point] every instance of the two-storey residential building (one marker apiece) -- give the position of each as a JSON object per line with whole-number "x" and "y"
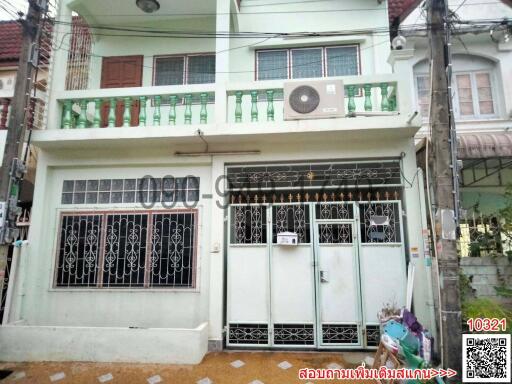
{"x": 199, "y": 187}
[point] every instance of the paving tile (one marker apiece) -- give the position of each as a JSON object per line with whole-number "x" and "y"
{"x": 284, "y": 365}
{"x": 18, "y": 375}
{"x": 334, "y": 366}
{"x": 57, "y": 376}
{"x": 206, "y": 380}
{"x": 154, "y": 379}
{"x": 237, "y": 364}
{"x": 105, "y": 378}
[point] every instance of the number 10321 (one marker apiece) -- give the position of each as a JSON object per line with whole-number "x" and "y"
{"x": 487, "y": 325}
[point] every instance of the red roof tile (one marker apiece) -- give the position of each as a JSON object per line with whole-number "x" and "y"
{"x": 10, "y": 42}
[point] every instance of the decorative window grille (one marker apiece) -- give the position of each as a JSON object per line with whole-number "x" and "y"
{"x": 340, "y": 334}
{"x": 184, "y": 69}
{"x": 79, "y": 58}
{"x": 79, "y": 250}
{"x": 314, "y": 175}
{"x": 334, "y": 211}
{"x": 372, "y": 335}
{"x": 127, "y": 249}
{"x": 116, "y": 191}
{"x": 335, "y": 233}
{"x": 291, "y": 218}
{"x": 248, "y": 224}
{"x": 248, "y": 333}
{"x": 294, "y": 334}
{"x": 380, "y": 222}
{"x": 315, "y": 62}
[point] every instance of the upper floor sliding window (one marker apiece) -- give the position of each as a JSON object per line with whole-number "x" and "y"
{"x": 184, "y": 69}
{"x": 299, "y": 63}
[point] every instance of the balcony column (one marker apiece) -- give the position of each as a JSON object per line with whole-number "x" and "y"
{"x": 216, "y": 275}
{"x": 401, "y": 62}
{"x": 58, "y": 64}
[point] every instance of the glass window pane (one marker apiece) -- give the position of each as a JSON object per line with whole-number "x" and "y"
{"x": 342, "y": 61}
{"x": 423, "y": 90}
{"x": 306, "y": 63}
{"x": 465, "y": 95}
{"x": 485, "y": 102}
{"x": 169, "y": 70}
{"x": 201, "y": 69}
{"x": 272, "y": 65}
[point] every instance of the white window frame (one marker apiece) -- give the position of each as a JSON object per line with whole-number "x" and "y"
{"x": 416, "y": 89}
{"x": 474, "y": 96}
{"x": 289, "y": 67}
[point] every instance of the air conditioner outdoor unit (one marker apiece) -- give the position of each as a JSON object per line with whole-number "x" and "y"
{"x": 317, "y": 99}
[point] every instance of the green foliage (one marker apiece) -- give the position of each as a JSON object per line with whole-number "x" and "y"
{"x": 486, "y": 308}
{"x": 503, "y": 291}
{"x": 506, "y": 212}
{"x": 466, "y": 291}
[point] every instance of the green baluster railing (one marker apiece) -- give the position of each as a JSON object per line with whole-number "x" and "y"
{"x": 384, "y": 94}
{"x": 172, "y": 109}
{"x": 238, "y": 106}
{"x": 392, "y": 102}
{"x": 66, "y": 116}
{"x": 351, "y": 91}
{"x": 112, "y": 112}
{"x": 254, "y": 105}
{"x": 156, "y": 112}
{"x": 127, "y": 115}
{"x": 188, "y": 108}
{"x": 82, "y": 118}
{"x": 203, "y": 115}
{"x": 270, "y": 105}
{"x": 367, "y": 97}
{"x": 142, "y": 112}
{"x": 97, "y": 113}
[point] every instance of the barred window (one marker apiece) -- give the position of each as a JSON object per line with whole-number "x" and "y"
{"x": 127, "y": 249}
{"x": 184, "y": 69}
{"x": 297, "y": 63}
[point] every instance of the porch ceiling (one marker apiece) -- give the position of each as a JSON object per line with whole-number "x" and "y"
{"x": 126, "y": 12}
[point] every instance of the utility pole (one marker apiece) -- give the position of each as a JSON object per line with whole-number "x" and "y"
{"x": 444, "y": 145}
{"x": 13, "y": 168}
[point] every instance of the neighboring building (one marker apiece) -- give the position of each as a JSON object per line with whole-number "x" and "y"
{"x": 482, "y": 78}
{"x": 167, "y": 176}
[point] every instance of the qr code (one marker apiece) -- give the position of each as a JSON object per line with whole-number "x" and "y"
{"x": 486, "y": 358}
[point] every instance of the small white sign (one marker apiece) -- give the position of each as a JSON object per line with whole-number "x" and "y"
{"x": 287, "y": 238}
{"x": 330, "y": 89}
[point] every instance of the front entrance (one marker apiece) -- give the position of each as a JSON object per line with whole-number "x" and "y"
{"x": 323, "y": 292}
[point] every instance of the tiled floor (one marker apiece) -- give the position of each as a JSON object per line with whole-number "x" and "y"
{"x": 216, "y": 368}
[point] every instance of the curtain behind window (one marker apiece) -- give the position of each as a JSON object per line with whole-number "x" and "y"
{"x": 342, "y": 61}
{"x": 306, "y": 63}
{"x": 169, "y": 70}
{"x": 272, "y": 65}
{"x": 201, "y": 69}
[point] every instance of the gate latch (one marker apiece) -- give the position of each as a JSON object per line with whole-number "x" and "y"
{"x": 323, "y": 277}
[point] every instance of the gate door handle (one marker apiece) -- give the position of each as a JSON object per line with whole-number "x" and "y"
{"x": 323, "y": 277}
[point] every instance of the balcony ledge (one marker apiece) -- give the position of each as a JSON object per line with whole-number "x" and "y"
{"x": 373, "y": 128}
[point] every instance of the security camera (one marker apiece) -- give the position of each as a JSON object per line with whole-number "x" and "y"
{"x": 398, "y": 42}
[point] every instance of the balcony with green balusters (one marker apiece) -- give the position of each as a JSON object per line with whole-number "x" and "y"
{"x": 138, "y": 111}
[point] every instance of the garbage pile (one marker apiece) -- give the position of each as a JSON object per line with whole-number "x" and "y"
{"x": 410, "y": 345}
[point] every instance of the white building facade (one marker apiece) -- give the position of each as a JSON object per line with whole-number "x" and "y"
{"x": 167, "y": 179}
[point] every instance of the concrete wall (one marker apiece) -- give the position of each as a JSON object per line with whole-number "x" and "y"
{"x": 485, "y": 273}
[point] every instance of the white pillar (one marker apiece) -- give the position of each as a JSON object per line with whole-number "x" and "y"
{"x": 58, "y": 64}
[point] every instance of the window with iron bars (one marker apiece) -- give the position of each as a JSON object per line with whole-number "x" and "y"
{"x": 136, "y": 249}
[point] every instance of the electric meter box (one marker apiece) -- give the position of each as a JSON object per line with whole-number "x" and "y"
{"x": 287, "y": 238}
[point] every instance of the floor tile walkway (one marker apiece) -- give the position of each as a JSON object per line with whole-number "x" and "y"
{"x": 216, "y": 368}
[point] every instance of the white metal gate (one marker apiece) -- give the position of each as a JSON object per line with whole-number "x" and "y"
{"x": 325, "y": 291}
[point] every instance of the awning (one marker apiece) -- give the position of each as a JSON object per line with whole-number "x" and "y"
{"x": 484, "y": 145}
